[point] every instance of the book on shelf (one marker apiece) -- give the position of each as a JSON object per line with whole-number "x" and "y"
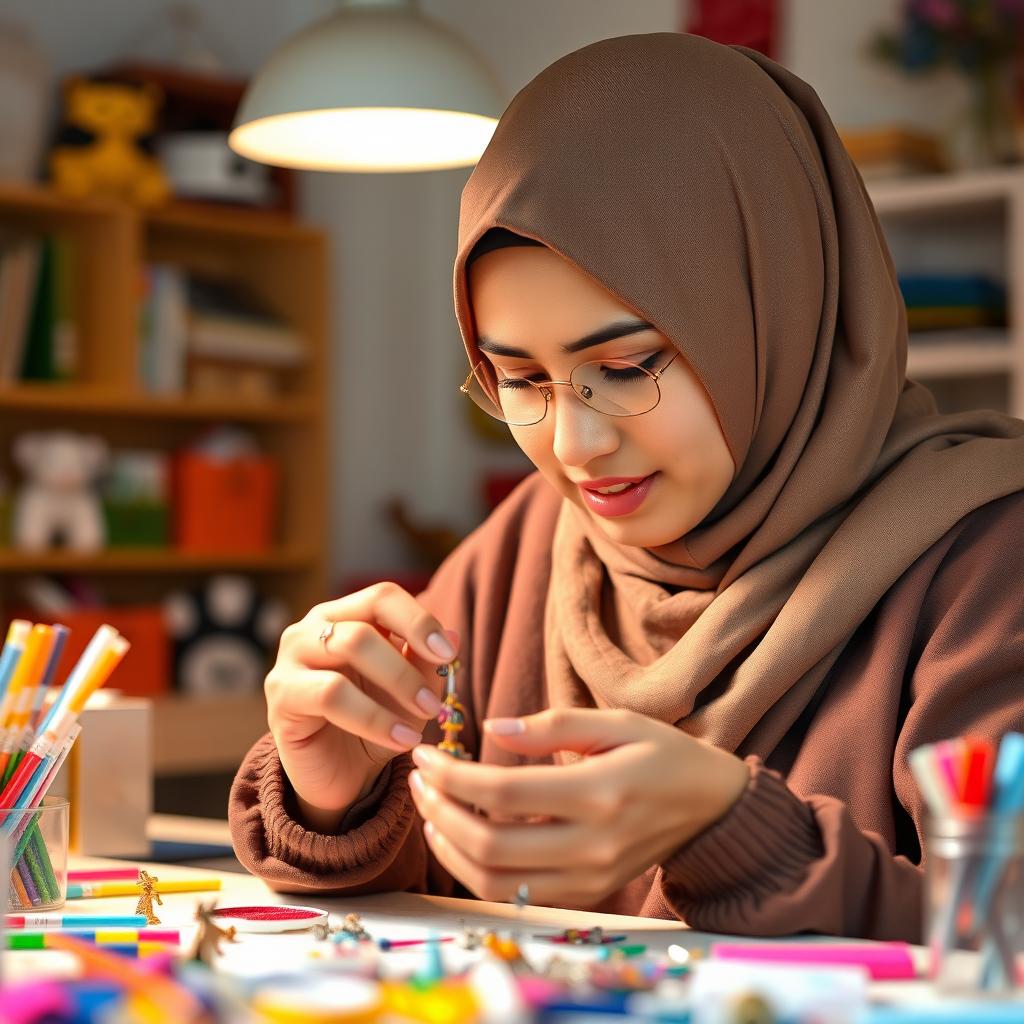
{"x": 191, "y": 322}
{"x": 38, "y": 328}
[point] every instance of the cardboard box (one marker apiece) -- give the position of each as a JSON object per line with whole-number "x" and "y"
{"x": 108, "y": 777}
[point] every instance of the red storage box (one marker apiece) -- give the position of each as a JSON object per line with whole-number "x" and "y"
{"x": 225, "y": 505}
{"x": 145, "y": 670}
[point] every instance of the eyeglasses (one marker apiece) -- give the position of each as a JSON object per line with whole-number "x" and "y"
{"x": 615, "y": 387}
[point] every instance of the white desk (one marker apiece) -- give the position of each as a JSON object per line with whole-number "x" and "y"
{"x": 389, "y": 914}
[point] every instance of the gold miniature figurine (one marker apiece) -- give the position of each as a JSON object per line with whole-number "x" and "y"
{"x": 209, "y": 936}
{"x": 452, "y": 716}
{"x": 148, "y": 893}
{"x": 353, "y": 925}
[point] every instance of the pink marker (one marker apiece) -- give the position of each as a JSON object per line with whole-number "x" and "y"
{"x": 104, "y": 875}
{"x": 884, "y": 961}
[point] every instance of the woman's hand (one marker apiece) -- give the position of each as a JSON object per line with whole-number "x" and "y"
{"x": 355, "y": 682}
{"x": 572, "y": 833}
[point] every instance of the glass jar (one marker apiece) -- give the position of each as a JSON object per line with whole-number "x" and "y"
{"x": 974, "y": 900}
{"x": 37, "y": 843}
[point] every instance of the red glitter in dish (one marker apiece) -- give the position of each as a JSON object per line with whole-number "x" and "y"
{"x": 266, "y": 913}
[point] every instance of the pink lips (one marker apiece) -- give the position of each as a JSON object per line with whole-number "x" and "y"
{"x": 621, "y": 504}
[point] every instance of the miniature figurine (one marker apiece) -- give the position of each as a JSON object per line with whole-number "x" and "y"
{"x": 352, "y": 926}
{"x": 148, "y": 893}
{"x": 209, "y": 936}
{"x": 471, "y": 938}
{"x": 452, "y": 716}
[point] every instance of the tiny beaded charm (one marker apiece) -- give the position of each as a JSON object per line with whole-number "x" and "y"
{"x": 452, "y": 716}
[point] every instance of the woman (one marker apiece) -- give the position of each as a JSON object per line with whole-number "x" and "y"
{"x": 696, "y": 698}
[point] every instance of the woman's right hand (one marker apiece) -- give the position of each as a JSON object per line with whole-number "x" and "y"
{"x": 355, "y": 682}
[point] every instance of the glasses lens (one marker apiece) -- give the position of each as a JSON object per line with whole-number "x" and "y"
{"x": 615, "y": 387}
{"x": 519, "y": 403}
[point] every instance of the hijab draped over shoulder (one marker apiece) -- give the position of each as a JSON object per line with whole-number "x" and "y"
{"x": 706, "y": 187}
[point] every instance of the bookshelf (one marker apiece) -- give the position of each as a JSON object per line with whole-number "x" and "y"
{"x": 286, "y": 263}
{"x": 971, "y": 220}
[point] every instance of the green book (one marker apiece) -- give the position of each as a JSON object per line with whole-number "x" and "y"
{"x": 37, "y": 363}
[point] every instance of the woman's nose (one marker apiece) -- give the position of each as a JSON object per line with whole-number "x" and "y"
{"x": 580, "y": 432}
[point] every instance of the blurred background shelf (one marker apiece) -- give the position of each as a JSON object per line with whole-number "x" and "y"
{"x": 970, "y": 222}
{"x": 263, "y": 253}
{"x": 62, "y": 399}
{"x": 156, "y": 560}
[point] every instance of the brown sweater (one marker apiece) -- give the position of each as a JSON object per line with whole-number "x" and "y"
{"x": 827, "y": 836}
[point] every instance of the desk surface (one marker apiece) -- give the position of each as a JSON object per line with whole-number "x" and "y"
{"x": 394, "y": 914}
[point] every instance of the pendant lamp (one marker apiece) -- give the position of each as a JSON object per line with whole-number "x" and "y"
{"x": 375, "y": 86}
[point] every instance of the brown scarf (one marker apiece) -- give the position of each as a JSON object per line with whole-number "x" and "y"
{"x": 706, "y": 187}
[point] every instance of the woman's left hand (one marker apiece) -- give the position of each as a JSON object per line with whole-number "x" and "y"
{"x": 572, "y": 833}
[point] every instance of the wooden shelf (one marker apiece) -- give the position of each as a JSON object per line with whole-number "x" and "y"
{"x": 154, "y": 560}
{"x": 959, "y": 354}
{"x": 933, "y": 193}
{"x": 193, "y": 735}
{"x": 94, "y": 401}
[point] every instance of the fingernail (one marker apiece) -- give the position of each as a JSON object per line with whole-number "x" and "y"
{"x": 428, "y": 828}
{"x": 505, "y": 726}
{"x": 401, "y": 733}
{"x": 428, "y": 701}
{"x": 439, "y": 644}
{"x": 422, "y": 756}
{"x": 416, "y": 781}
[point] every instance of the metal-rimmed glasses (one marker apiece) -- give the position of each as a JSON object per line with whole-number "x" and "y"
{"x": 615, "y": 387}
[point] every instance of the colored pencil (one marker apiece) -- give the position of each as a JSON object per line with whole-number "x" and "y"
{"x": 112, "y": 937}
{"x": 104, "y": 875}
{"x": 94, "y": 890}
{"x": 74, "y": 921}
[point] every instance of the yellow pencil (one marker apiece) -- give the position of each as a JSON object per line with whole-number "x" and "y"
{"x": 92, "y": 890}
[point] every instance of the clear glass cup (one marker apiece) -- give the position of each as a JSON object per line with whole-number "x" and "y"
{"x": 974, "y": 905}
{"x": 37, "y": 841}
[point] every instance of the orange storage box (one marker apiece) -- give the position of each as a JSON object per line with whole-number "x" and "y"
{"x": 225, "y": 505}
{"x": 146, "y": 668}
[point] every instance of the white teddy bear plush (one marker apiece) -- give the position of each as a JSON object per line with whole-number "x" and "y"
{"x": 57, "y": 502}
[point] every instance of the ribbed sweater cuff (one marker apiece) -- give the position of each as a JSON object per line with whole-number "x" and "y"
{"x": 371, "y": 832}
{"x": 763, "y": 845}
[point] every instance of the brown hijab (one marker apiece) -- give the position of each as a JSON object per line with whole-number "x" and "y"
{"x": 706, "y": 187}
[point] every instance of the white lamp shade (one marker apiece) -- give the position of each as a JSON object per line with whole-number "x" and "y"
{"x": 375, "y": 86}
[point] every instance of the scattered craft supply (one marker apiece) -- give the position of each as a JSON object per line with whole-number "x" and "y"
{"x": 92, "y": 890}
{"x": 148, "y": 893}
{"x": 387, "y": 944}
{"x": 320, "y": 1001}
{"x": 452, "y": 716}
{"x": 270, "y": 918}
{"x": 352, "y": 927}
{"x": 210, "y": 935}
{"x": 582, "y": 937}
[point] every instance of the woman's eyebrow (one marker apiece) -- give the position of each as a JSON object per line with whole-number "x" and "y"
{"x": 618, "y": 329}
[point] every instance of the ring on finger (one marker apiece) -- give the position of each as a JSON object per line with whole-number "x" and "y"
{"x": 325, "y": 633}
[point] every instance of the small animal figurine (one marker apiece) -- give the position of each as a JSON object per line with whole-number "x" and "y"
{"x": 209, "y": 936}
{"x": 148, "y": 893}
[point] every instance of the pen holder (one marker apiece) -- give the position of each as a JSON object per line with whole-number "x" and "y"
{"x": 974, "y": 908}
{"x": 37, "y": 838}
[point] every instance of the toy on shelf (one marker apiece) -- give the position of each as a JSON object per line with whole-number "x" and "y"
{"x": 58, "y": 503}
{"x": 223, "y": 635}
{"x": 452, "y": 716}
{"x": 104, "y": 146}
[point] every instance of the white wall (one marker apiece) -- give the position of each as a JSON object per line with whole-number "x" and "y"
{"x": 396, "y": 417}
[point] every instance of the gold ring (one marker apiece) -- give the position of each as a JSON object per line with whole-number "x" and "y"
{"x": 325, "y": 633}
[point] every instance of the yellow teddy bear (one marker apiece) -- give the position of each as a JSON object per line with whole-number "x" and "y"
{"x": 103, "y": 148}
